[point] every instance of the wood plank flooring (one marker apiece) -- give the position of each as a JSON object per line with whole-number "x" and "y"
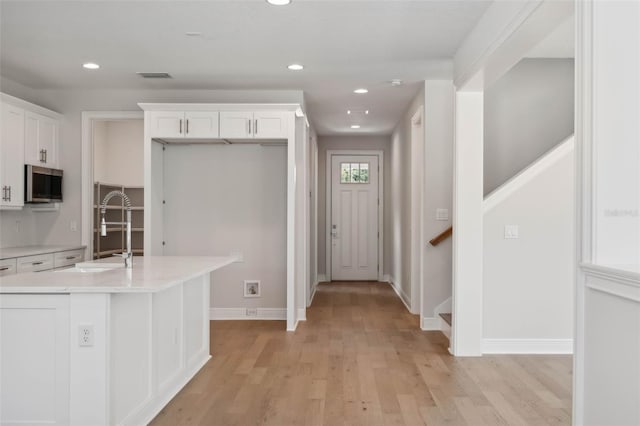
{"x": 361, "y": 359}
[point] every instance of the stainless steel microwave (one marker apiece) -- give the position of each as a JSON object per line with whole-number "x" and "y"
{"x": 42, "y": 185}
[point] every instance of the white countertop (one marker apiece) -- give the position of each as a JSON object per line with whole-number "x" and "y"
{"x": 11, "y": 252}
{"x": 148, "y": 274}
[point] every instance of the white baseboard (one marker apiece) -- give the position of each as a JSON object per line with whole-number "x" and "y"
{"x": 443, "y": 308}
{"x": 401, "y": 294}
{"x": 302, "y": 314}
{"x": 313, "y": 294}
{"x": 430, "y": 324}
{"x": 322, "y": 278}
{"x": 241, "y": 314}
{"x": 527, "y": 346}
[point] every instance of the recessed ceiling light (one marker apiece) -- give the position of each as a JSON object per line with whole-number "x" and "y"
{"x": 296, "y": 67}
{"x": 348, "y": 111}
{"x": 355, "y": 126}
{"x": 279, "y": 2}
{"x": 193, "y": 33}
{"x": 91, "y": 66}
{"x": 367, "y": 112}
{"x": 396, "y": 82}
{"x": 361, "y": 91}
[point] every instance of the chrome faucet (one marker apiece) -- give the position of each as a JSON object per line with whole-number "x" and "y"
{"x": 128, "y": 255}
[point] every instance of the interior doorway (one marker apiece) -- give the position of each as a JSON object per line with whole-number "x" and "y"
{"x": 354, "y": 215}
{"x": 113, "y": 159}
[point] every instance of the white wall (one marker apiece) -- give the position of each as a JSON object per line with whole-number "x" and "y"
{"x": 241, "y": 193}
{"x": 438, "y": 191}
{"x": 54, "y": 227}
{"x": 354, "y": 143}
{"x": 400, "y": 238}
{"x": 528, "y": 111}
{"x": 118, "y": 155}
{"x": 528, "y": 282}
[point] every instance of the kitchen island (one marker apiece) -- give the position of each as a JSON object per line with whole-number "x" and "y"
{"x": 100, "y": 344}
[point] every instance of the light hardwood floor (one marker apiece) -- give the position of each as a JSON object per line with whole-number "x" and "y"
{"x": 361, "y": 359}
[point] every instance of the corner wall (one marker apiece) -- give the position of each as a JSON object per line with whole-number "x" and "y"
{"x": 528, "y": 281}
{"x": 400, "y": 237}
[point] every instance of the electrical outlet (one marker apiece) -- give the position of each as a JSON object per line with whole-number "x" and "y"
{"x": 252, "y": 312}
{"x": 85, "y": 335}
{"x": 442, "y": 214}
{"x": 511, "y": 232}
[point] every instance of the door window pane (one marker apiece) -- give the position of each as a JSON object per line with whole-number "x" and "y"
{"x": 354, "y": 172}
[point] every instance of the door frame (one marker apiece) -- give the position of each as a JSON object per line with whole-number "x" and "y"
{"x": 329, "y": 180}
{"x": 87, "y": 201}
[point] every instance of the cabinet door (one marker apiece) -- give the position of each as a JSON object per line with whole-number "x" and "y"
{"x": 166, "y": 124}
{"x": 236, "y": 125}
{"x": 201, "y": 124}
{"x": 48, "y": 141}
{"x": 12, "y": 156}
{"x": 270, "y": 125}
{"x": 41, "y": 140}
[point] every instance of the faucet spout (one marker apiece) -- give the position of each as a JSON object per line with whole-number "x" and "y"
{"x": 128, "y": 255}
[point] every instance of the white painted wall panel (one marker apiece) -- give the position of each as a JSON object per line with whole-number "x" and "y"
{"x": 528, "y": 282}
{"x": 241, "y": 195}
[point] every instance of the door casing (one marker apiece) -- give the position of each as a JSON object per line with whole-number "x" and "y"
{"x": 380, "y": 155}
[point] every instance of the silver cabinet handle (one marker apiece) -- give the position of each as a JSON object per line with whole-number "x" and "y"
{"x": 4, "y": 269}
{"x": 180, "y": 126}
{"x": 37, "y": 263}
{"x": 4, "y": 193}
{"x": 187, "y": 132}
{"x": 249, "y": 126}
{"x": 70, "y": 257}
{"x": 255, "y": 128}
{"x": 45, "y": 155}
{"x": 9, "y": 188}
{"x": 42, "y": 160}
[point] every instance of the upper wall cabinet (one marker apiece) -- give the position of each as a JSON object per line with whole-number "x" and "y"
{"x": 40, "y": 140}
{"x": 253, "y": 125}
{"x": 183, "y": 125}
{"x": 11, "y": 157}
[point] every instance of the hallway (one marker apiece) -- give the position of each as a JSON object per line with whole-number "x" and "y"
{"x": 360, "y": 358}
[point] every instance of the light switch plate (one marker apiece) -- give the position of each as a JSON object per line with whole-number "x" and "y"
{"x": 511, "y": 232}
{"x": 442, "y": 214}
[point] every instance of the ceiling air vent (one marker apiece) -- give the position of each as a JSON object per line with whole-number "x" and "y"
{"x": 154, "y": 74}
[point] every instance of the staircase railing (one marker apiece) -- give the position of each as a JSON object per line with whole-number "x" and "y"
{"x": 442, "y": 236}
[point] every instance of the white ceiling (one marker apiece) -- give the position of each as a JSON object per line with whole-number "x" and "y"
{"x": 245, "y": 44}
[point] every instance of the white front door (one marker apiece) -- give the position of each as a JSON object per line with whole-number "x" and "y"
{"x": 354, "y": 217}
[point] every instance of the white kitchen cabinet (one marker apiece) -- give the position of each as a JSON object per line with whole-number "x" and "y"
{"x": 253, "y": 125}
{"x": 12, "y": 157}
{"x": 8, "y": 267}
{"x": 37, "y": 263}
{"x": 67, "y": 258}
{"x": 40, "y": 140}
{"x": 183, "y": 125}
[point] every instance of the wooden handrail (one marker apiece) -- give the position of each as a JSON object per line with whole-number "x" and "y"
{"x": 443, "y": 236}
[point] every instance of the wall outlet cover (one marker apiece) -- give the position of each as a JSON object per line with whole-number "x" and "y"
{"x": 511, "y": 232}
{"x": 252, "y": 312}
{"x": 442, "y": 214}
{"x": 85, "y": 335}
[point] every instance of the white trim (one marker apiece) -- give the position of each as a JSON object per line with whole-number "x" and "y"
{"x": 328, "y": 181}
{"x": 443, "y": 308}
{"x": 216, "y": 314}
{"x": 430, "y": 324}
{"x": 313, "y": 294}
{"x": 21, "y": 103}
{"x": 322, "y": 278}
{"x": 293, "y": 108}
{"x": 302, "y": 314}
{"x": 401, "y": 294}
{"x": 543, "y": 163}
{"x": 88, "y": 117}
{"x": 527, "y": 346}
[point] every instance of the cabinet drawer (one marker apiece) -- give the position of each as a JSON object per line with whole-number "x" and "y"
{"x": 67, "y": 258}
{"x": 41, "y": 262}
{"x": 8, "y": 267}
